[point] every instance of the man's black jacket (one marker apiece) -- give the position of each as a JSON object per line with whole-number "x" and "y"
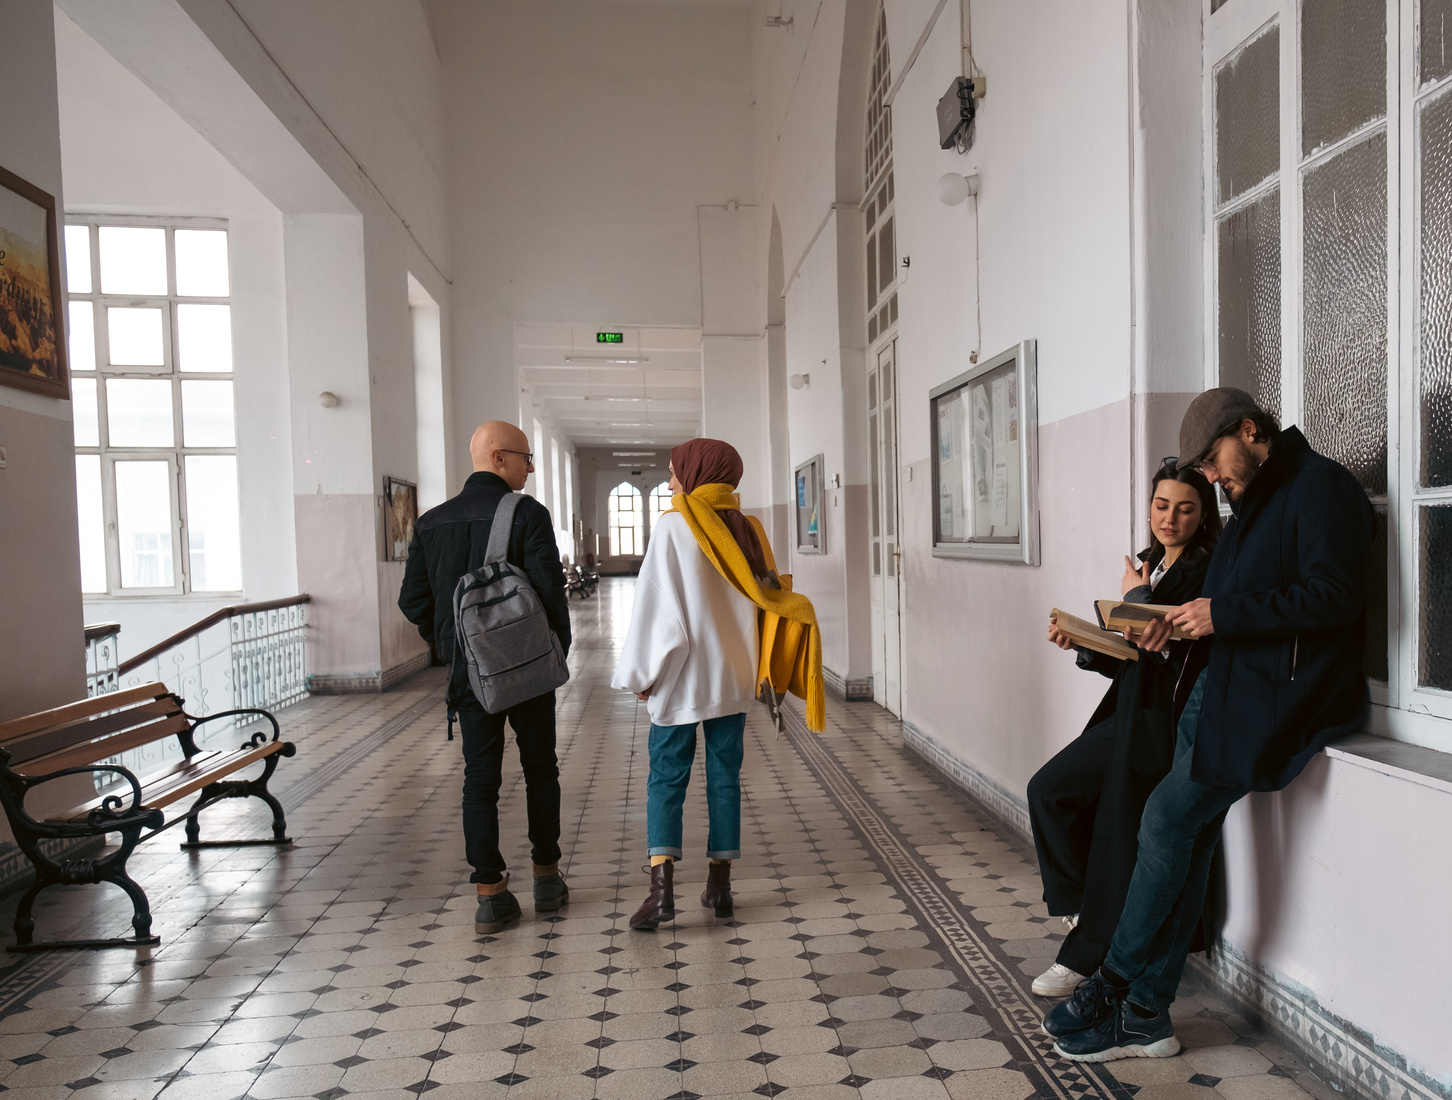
{"x": 1287, "y": 590}
{"x": 451, "y": 540}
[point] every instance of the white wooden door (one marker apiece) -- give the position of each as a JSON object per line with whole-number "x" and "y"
{"x": 886, "y": 556}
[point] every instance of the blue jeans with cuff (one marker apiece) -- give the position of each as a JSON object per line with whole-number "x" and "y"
{"x": 1178, "y": 834}
{"x": 672, "y": 752}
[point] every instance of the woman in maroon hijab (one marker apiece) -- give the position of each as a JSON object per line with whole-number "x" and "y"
{"x": 691, "y": 656}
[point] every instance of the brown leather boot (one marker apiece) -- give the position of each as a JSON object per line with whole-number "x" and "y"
{"x": 718, "y": 889}
{"x": 660, "y": 903}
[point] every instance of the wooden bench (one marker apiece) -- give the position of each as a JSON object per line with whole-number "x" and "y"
{"x": 74, "y": 740}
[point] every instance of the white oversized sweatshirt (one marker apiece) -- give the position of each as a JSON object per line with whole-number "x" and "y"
{"x": 693, "y": 639}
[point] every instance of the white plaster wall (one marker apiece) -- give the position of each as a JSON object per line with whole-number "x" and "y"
{"x": 126, "y": 152}
{"x": 42, "y": 648}
{"x": 575, "y": 171}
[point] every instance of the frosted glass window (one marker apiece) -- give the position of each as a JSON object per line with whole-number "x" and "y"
{"x": 213, "y": 537}
{"x": 144, "y": 524}
{"x": 138, "y": 412}
{"x": 1434, "y": 594}
{"x": 133, "y": 260}
{"x": 82, "y": 346}
{"x": 1344, "y": 375}
{"x": 204, "y": 337}
{"x": 207, "y": 417}
{"x": 78, "y": 259}
{"x": 83, "y": 410}
{"x": 92, "y": 519}
{"x": 201, "y": 263}
{"x": 135, "y": 336}
{"x": 1436, "y": 292}
{"x": 1343, "y": 68}
{"x": 1247, "y": 117}
{"x": 1436, "y": 39}
{"x": 1249, "y": 247}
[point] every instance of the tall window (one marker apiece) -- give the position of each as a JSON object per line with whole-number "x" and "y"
{"x": 878, "y": 210}
{"x": 156, "y": 438}
{"x": 1331, "y": 147}
{"x": 660, "y": 502}
{"x": 627, "y": 535}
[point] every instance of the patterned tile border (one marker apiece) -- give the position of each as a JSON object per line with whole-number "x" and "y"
{"x": 1339, "y": 1051}
{"x": 998, "y": 988}
{"x": 1006, "y": 808}
{"x": 853, "y": 690}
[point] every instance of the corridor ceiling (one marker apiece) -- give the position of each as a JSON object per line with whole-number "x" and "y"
{"x": 644, "y": 390}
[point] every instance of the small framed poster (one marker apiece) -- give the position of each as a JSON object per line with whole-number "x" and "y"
{"x": 984, "y": 426}
{"x": 32, "y": 332}
{"x": 400, "y": 513}
{"x": 810, "y": 484}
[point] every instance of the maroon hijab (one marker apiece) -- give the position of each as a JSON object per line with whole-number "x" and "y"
{"x": 700, "y": 462}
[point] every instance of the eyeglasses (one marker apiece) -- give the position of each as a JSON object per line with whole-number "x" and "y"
{"x": 1170, "y": 462}
{"x": 528, "y": 456}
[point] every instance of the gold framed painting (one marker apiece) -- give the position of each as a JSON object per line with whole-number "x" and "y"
{"x": 32, "y": 329}
{"x": 400, "y": 513}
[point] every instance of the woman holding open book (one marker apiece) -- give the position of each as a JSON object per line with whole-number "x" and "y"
{"x": 1085, "y": 803}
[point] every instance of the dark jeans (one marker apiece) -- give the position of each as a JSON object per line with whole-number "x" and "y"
{"x": 1063, "y": 797}
{"x": 483, "y": 738}
{"x": 1178, "y": 835}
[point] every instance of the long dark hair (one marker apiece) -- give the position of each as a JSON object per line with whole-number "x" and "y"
{"x": 1208, "y": 533}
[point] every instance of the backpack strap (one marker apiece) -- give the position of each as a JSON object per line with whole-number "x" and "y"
{"x": 500, "y": 529}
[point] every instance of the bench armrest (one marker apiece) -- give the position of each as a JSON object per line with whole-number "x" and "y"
{"x": 112, "y": 814}
{"x": 258, "y": 738}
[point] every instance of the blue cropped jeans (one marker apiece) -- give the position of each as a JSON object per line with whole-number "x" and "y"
{"x": 672, "y": 752}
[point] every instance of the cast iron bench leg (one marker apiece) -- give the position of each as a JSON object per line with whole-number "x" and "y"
{"x": 244, "y": 788}
{"x": 78, "y": 872}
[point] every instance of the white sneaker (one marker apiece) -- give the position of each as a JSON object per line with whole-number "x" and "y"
{"x": 1070, "y": 923}
{"x": 1057, "y": 981}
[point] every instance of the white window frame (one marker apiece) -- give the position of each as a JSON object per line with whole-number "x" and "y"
{"x": 1403, "y": 709}
{"x": 100, "y": 371}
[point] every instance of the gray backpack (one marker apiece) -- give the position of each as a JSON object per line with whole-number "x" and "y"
{"x": 501, "y": 628}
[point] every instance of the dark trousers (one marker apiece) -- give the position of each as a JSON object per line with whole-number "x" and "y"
{"x": 1063, "y": 797}
{"x": 483, "y": 739}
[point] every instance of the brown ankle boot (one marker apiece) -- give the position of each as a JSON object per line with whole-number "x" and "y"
{"x": 718, "y": 889}
{"x": 660, "y": 903}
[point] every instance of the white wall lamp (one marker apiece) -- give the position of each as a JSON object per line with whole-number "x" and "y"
{"x": 328, "y": 400}
{"x": 798, "y": 381}
{"x": 954, "y": 188}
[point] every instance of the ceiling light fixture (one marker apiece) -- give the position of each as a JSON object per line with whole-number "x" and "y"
{"x": 604, "y": 359}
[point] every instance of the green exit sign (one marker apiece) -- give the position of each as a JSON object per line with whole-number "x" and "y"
{"x": 609, "y": 337}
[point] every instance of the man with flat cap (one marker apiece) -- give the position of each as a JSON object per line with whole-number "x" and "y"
{"x": 448, "y": 542}
{"x": 1283, "y": 611}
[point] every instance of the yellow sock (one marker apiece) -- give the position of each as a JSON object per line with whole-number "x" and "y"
{"x": 656, "y": 861}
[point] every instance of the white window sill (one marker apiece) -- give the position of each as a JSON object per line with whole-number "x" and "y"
{"x": 1396, "y": 759}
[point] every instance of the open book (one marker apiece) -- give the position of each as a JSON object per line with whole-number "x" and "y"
{"x": 1084, "y": 633}
{"x": 1119, "y": 616}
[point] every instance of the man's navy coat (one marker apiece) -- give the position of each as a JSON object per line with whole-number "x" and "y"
{"x": 1287, "y": 591}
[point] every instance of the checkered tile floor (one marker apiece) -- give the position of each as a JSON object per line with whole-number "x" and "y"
{"x": 884, "y": 937}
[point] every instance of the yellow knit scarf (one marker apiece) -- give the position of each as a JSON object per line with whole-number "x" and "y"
{"x": 791, "y": 641}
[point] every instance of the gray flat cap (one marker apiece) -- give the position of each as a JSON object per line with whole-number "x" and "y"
{"x": 1210, "y": 416}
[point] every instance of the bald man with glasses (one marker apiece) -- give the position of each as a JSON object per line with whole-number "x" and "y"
{"x": 448, "y": 542}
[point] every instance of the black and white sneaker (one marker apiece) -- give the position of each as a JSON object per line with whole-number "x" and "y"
{"x": 1092, "y": 1001}
{"x": 1123, "y": 1034}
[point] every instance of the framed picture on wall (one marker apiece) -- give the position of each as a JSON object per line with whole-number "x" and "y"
{"x": 984, "y": 426}
{"x": 810, "y": 482}
{"x": 32, "y": 334}
{"x": 400, "y": 513}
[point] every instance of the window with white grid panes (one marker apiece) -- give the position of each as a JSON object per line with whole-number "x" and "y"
{"x": 150, "y": 315}
{"x": 1329, "y": 268}
{"x": 627, "y": 521}
{"x": 661, "y": 502}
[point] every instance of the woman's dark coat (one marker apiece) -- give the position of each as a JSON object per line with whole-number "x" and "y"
{"x": 1144, "y": 705}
